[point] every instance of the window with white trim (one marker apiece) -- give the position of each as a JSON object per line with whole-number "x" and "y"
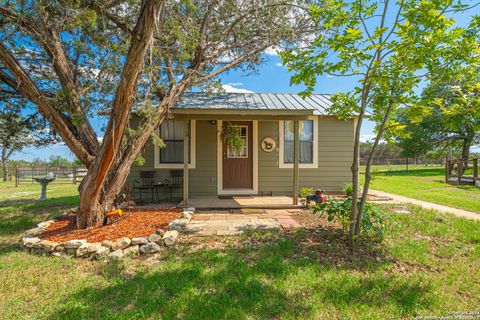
{"x": 172, "y": 134}
{"x": 308, "y": 143}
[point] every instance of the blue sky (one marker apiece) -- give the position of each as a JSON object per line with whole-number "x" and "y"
{"x": 270, "y": 77}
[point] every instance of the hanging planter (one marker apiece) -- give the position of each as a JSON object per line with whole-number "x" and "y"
{"x": 231, "y": 134}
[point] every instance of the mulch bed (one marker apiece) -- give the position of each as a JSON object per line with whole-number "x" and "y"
{"x": 139, "y": 223}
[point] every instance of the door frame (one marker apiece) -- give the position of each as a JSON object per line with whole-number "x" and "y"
{"x": 254, "y": 148}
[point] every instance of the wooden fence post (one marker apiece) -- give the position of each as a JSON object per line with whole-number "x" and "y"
{"x": 16, "y": 176}
{"x": 74, "y": 175}
{"x": 475, "y": 169}
{"x": 459, "y": 171}
{"x": 447, "y": 166}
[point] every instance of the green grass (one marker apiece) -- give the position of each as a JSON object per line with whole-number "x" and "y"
{"x": 425, "y": 183}
{"x": 427, "y": 265}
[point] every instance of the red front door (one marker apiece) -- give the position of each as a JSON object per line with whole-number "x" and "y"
{"x": 238, "y": 162}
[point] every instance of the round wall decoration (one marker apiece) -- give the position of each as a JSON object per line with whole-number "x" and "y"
{"x": 269, "y": 144}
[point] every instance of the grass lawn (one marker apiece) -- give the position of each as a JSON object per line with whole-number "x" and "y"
{"x": 425, "y": 183}
{"x": 429, "y": 264}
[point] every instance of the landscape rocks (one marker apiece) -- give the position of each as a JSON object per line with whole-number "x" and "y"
{"x": 102, "y": 252}
{"x": 107, "y": 243}
{"x": 187, "y": 215}
{"x": 94, "y": 247}
{"x": 28, "y": 242}
{"x": 48, "y": 245}
{"x": 149, "y": 248}
{"x": 121, "y": 244}
{"x": 178, "y": 224}
{"x": 116, "y": 255}
{"x": 82, "y": 251}
{"x": 46, "y": 224}
{"x": 140, "y": 240}
{"x": 125, "y": 246}
{"x": 74, "y": 244}
{"x": 155, "y": 238}
{"x": 170, "y": 238}
{"x": 131, "y": 251}
{"x": 35, "y": 232}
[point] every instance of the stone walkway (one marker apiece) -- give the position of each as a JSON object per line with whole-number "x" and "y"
{"x": 427, "y": 205}
{"x": 225, "y": 223}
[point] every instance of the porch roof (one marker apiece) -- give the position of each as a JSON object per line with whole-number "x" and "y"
{"x": 280, "y": 103}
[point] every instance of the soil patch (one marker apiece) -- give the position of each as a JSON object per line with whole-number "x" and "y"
{"x": 138, "y": 223}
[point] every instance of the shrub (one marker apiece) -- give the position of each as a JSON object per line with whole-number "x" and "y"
{"x": 374, "y": 220}
{"x": 348, "y": 189}
{"x": 305, "y": 191}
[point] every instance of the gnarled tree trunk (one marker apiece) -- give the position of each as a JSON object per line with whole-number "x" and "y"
{"x": 97, "y": 191}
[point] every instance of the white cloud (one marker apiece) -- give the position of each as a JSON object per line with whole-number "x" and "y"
{"x": 279, "y": 64}
{"x": 235, "y": 84}
{"x": 272, "y": 51}
{"x": 232, "y": 89}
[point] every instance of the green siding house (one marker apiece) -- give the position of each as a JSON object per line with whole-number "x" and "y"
{"x": 267, "y": 159}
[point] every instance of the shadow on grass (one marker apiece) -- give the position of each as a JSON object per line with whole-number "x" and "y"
{"x": 281, "y": 276}
{"x": 19, "y": 215}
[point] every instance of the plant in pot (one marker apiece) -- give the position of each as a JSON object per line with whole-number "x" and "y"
{"x": 231, "y": 134}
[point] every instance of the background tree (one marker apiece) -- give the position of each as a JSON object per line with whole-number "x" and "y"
{"x": 72, "y": 58}
{"x": 389, "y": 47}
{"x": 18, "y": 131}
{"x": 449, "y": 118}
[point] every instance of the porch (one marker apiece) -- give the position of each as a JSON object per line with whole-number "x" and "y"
{"x": 240, "y": 202}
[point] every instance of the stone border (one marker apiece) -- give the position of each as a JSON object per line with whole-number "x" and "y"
{"x": 107, "y": 249}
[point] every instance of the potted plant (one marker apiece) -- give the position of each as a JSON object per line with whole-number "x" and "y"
{"x": 232, "y": 136}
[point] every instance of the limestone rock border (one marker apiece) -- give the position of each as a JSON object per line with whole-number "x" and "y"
{"x": 80, "y": 248}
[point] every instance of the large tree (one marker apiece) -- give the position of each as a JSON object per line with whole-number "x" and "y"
{"x": 388, "y": 48}
{"x": 71, "y": 58}
{"x": 450, "y": 117}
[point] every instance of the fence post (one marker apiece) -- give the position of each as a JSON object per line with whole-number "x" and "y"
{"x": 16, "y": 176}
{"x": 459, "y": 171}
{"x": 475, "y": 169}
{"x": 447, "y": 166}
{"x": 74, "y": 175}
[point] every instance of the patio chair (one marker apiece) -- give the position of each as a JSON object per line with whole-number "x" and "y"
{"x": 175, "y": 182}
{"x": 146, "y": 183}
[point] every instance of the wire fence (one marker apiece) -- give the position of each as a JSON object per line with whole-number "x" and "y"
{"x": 63, "y": 175}
{"x": 404, "y": 161}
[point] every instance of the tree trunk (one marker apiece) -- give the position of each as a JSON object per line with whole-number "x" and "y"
{"x": 97, "y": 191}
{"x": 4, "y": 164}
{"x": 368, "y": 173}
{"x": 467, "y": 142}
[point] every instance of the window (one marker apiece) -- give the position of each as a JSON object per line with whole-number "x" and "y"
{"x": 242, "y": 152}
{"x": 171, "y": 156}
{"x": 308, "y": 143}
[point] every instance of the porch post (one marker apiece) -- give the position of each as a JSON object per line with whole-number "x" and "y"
{"x": 296, "y": 158}
{"x": 185, "y": 162}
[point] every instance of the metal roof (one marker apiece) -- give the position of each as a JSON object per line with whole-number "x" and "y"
{"x": 318, "y": 104}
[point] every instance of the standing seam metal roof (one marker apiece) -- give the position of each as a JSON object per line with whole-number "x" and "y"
{"x": 317, "y": 103}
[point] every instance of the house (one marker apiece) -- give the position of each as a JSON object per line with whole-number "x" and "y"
{"x": 244, "y": 144}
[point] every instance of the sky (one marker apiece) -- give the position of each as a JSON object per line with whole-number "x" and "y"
{"x": 271, "y": 76}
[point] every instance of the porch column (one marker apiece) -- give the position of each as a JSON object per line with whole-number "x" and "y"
{"x": 296, "y": 158}
{"x": 185, "y": 162}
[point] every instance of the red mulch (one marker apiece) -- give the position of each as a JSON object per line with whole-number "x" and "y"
{"x": 139, "y": 223}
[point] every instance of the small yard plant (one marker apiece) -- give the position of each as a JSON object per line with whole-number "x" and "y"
{"x": 305, "y": 192}
{"x": 348, "y": 189}
{"x": 374, "y": 221}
